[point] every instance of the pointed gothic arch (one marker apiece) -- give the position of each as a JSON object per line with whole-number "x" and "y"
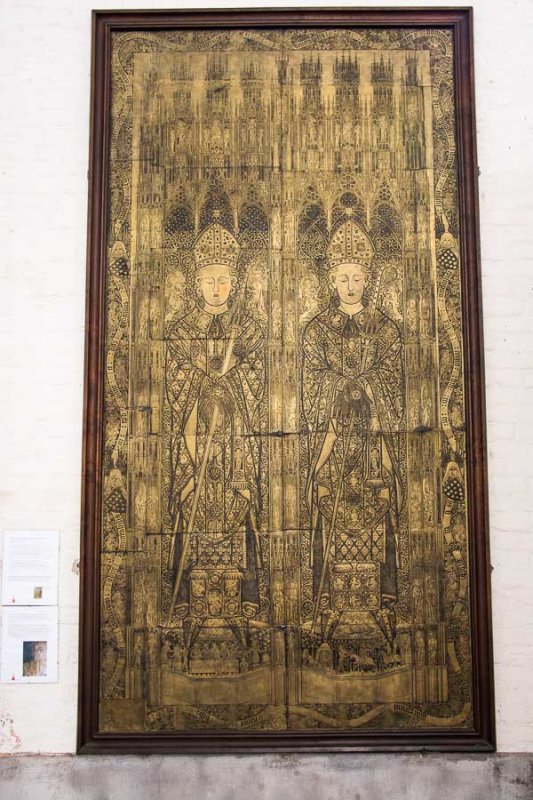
{"x": 386, "y": 225}
{"x": 312, "y": 229}
{"x": 216, "y": 207}
{"x": 253, "y": 232}
{"x": 348, "y": 204}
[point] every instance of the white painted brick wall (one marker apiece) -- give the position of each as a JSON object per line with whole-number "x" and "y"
{"x": 44, "y": 115}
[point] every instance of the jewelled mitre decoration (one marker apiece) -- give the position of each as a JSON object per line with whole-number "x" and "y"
{"x": 350, "y": 245}
{"x": 216, "y": 245}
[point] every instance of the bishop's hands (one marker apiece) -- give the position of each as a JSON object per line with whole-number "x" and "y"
{"x": 215, "y": 397}
{"x": 351, "y": 401}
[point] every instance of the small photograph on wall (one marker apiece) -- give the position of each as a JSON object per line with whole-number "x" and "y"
{"x": 285, "y": 540}
{"x": 34, "y": 659}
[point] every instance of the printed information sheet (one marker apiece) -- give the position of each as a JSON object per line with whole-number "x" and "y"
{"x": 30, "y": 568}
{"x": 29, "y": 644}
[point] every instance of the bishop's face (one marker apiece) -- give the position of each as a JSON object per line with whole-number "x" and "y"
{"x": 349, "y": 282}
{"x": 215, "y": 284}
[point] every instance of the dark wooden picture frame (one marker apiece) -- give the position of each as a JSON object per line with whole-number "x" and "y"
{"x": 481, "y": 737}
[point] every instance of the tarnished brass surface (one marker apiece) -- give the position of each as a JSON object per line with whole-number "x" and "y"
{"x": 284, "y": 525}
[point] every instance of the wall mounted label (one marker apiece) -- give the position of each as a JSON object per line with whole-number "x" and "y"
{"x": 29, "y": 644}
{"x": 30, "y": 568}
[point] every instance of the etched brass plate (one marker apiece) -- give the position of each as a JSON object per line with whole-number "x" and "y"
{"x": 284, "y": 501}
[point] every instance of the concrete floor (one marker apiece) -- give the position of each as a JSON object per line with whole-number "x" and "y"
{"x": 328, "y": 777}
